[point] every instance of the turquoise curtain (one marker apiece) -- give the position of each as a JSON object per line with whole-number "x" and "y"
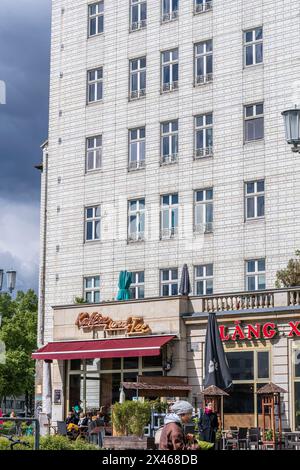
{"x": 125, "y": 279}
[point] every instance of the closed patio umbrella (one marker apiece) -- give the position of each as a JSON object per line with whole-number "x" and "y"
{"x": 125, "y": 279}
{"x": 185, "y": 285}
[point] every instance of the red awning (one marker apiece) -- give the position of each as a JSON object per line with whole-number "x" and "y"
{"x": 106, "y": 348}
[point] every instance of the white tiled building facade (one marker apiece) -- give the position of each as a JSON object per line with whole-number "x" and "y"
{"x": 224, "y": 91}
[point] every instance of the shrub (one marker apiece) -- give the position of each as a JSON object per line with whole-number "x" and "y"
{"x": 131, "y": 417}
{"x": 55, "y": 443}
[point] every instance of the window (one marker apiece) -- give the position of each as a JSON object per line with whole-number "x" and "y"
{"x": 169, "y": 142}
{"x": 253, "y": 46}
{"x": 255, "y": 274}
{"x": 169, "y": 10}
{"x": 203, "y": 62}
{"x": 169, "y": 74}
{"x": 137, "y": 78}
{"x": 95, "y": 85}
{"x": 254, "y": 122}
{"x": 96, "y": 18}
{"x": 92, "y": 223}
{"x": 138, "y": 14}
{"x": 137, "y": 287}
{"x": 203, "y": 135}
{"x": 204, "y": 279}
{"x": 250, "y": 370}
{"x": 169, "y": 282}
{"x": 136, "y": 220}
{"x": 296, "y": 376}
{"x": 255, "y": 199}
{"x": 137, "y": 148}
{"x": 93, "y": 152}
{"x": 92, "y": 289}
{"x": 202, "y": 6}
{"x": 169, "y": 215}
{"x": 204, "y": 211}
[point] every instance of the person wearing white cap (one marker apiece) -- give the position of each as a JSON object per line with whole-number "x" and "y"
{"x": 172, "y": 435}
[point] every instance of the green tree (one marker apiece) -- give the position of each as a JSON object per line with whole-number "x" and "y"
{"x": 289, "y": 276}
{"x": 19, "y": 334}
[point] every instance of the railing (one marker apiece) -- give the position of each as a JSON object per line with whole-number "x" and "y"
{"x": 136, "y": 25}
{"x": 203, "y": 152}
{"x": 293, "y": 297}
{"x": 251, "y": 300}
{"x": 136, "y": 94}
{"x": 171, "y": 16}
{"x": 136, "y": 165}
{"x": 202, "y": 79}
{"x": 17, "y": 421}
{"x": 136, "y": 237}
{"x": 203, "y": 7}
{"x": 204, "y": 228}
{"x": 169, "y": 232}
{"x": 169, "y": 159}
{"x": 170, "y": 86}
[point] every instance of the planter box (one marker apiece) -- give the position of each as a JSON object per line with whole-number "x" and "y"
{"x": 128, "y": 442}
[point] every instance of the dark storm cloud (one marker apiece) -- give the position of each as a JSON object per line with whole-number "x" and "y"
{"x": 24, "y": 66}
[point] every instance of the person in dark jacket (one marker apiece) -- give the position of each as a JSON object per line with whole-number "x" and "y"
{"x": 172, "y": 435}
{"x": 208, "y": 424}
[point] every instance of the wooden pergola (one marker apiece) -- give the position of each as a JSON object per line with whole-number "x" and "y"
{"x": 271, "y": 408}
{"x": 215, "y": 395}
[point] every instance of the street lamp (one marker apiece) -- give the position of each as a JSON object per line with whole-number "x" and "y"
{"x": 292, "y": 127}
{"x": 11, "y": 279}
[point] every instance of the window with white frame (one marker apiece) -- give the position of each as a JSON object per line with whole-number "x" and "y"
{"x": 254, "y": 122}
{"x": 137, "y": 148}
{"x": 169, "y": 10}
{"x": 95, "y": 85}
{"x": 169, "y": 142}
{"x": 137, "y": 77}
{"x": 255, "y": 274}
{"x": 255, "y": 199}
{"x": 93, "y": 152}
{"x": 203, "y": 62}
{"x": 201, "y": 6}
{"x": 170, "y": 69}
{"x": 137, "y": 286}
{"x": 168, "y": 282}
{"x": 204, "y": 211}
{"x": 96, "y": 18}
{"x": 169, "y": 215}
{"x": 136, "y": 220}
{"x": 92, "y": 289}
{"x": 204, "y": 135}
{"x": 92, "y": 223}
{"x": 138, "y": 14}
{"x": 204, "y": 279}
{"x": 253, "y": 46}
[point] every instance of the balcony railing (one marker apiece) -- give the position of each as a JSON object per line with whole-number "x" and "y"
{"x": 203, "y": 152}
{"x": 169, "y": 233}
{"x": 207, "y": 227}
{"x": 203, "y": 79}
{"x": 136, "y": 165}
{"x": 169, "y": 159}
{"x": 245, "y": 301}
{"x": 171, "y": 16}
{"x": 136, "y": 25}
{"x": 203, "y": 7}
{"x": 136, "y": 237}
{"x": 136, "y": 94}
{"x": 170, "y": 86}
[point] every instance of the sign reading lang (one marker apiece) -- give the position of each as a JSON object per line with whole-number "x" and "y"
{"x": 257, "y": 331}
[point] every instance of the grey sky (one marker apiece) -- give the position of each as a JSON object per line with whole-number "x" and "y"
{"x": 24, "y": 66}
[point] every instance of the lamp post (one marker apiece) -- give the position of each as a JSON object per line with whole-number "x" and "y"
{"x": 11, "y": 277}
{"x": 292, "y": 128}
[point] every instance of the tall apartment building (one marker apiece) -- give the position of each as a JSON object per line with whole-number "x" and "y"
{"x": 166, "y": 146}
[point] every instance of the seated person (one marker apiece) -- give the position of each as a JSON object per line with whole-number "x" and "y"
{"x": 83, "y": 420}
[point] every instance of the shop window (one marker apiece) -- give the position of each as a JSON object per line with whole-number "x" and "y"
{"x": 263, "y": 365}
{"x": 111, "y": 364}
{"x": 110, "y": 388}
{"x": 76, "y": 364}
{"x": 152, "y": 361}
{"x": 297, "y": 362}
{"x": 156, "y": 373}
{"x": 241, "y": 399}
{"x": 297, "y": 404}
{"x": 76, "y": 387}
{"x": 92, "y": 392}
{"x": 131, "y": 362}
{"x": 241, "y": 365}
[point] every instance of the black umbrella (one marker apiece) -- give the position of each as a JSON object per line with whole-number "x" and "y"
{"x": 185, "y": 285}
{"x": 216, "y": 366}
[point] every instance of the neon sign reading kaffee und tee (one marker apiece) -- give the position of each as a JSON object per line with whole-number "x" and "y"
{"x": 256, "y": 331}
